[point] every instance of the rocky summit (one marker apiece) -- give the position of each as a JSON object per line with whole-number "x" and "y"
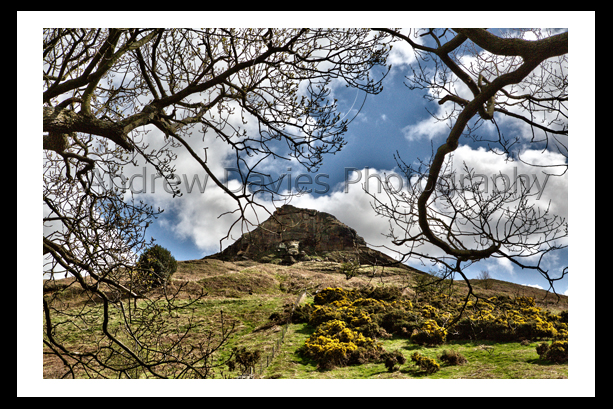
{"x": 293, "y": 234}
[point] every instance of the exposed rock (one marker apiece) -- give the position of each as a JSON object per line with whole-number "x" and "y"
{"x": 292, "y": 234}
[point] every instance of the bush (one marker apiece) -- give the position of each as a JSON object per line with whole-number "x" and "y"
{"x": 350, "y": 270}
{"x": 398, "y": 321}
{"x": 334, "y": 344}
{"x": 428, "y": 365}
{"x": 302, "y": 313}
{"x": 243, "y": 359}
{"x": 556, "y": 352}
{"x": 393, "y": 360}
{"x": 155, "y": 266}
{"x": 328, "y": 295}
{"x": 452, "y": 357}
{"x": 536, "y": 328}
{"x": 323, "y": 313}
{"x": 429, "y": 334}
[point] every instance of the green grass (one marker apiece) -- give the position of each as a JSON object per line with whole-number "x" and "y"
{"x": 505, "y": 361}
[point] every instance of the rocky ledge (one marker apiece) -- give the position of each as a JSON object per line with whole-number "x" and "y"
{"x": 293, "y": 234}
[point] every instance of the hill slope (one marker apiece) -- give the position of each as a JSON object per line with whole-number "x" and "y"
{"x": 254, "y": 297}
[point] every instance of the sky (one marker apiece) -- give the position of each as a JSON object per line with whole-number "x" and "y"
{"x": 396, "y": 121}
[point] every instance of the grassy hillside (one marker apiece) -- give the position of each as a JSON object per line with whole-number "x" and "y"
{"x": 255, "y": 298}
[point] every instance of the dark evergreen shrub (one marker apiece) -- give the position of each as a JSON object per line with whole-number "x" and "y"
{"x": 155, "y": 266}
{"x": 302, "y": 313}
{"x": 399, "y": 322}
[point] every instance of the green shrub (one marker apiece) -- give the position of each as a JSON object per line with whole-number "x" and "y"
{"x": 373, "y": 330}
{"x": 349, "y": 269}
{"x": 426, "y": 364}
{"x": 155, "y": 266}
{"x": 243, "y": 359}
{"x": 302, "y": 313}
{"x": 542, "y": 349}
{"x": 398, "y": 321}
{"x": 536, "y": 328}
{"x": 558, "y": 351}
{"x": 323, "y": 313}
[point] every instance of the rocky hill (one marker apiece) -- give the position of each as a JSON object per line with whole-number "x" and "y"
{"x": 293, "y": 234}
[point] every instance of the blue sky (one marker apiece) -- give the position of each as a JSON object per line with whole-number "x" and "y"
{"x": 394, "y": 120}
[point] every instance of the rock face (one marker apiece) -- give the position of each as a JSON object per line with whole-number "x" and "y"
{"x": 292, "y": 234}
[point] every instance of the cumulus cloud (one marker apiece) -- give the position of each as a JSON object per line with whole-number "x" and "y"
{"x": 402, "y": 53}
{"x": 428, "y": 128}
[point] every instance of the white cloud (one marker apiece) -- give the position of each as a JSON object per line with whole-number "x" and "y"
{"x": 533, "y": 286}
{"x": 428, "y": 128}
{"x": 550, "y": 189}
{"x": 402, "y": 53}
{"x": 506, "y": 265}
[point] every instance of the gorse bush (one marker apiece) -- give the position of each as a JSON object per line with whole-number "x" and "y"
{"x": 430, "y": 333}
{"x": 393, "y": 360}
{"x": 328, "y": 295}
{"x": 349, "y": 322}
{"x": 155, "y": 266}
{"x": 335, "y": 344}
{"x": 556, "y": 352}
{"x": 426, "y": 364}
{"x": 507, "y": 319}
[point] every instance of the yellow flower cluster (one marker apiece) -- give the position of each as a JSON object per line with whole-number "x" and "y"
{"x": 329, "y": 294}
{"x": 333, "y": 342}
{"x": 345, "y": 308}
{"x": 428, "y": 311}
{"x": 430, "y": 333}
{"x": 426, "y": 364}
{"x": 520, "y": 316}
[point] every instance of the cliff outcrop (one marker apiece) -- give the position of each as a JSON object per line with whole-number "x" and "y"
{"x": 293, "y": 234}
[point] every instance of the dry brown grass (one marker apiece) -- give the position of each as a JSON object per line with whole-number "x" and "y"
{"x": 234, "y": 279}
